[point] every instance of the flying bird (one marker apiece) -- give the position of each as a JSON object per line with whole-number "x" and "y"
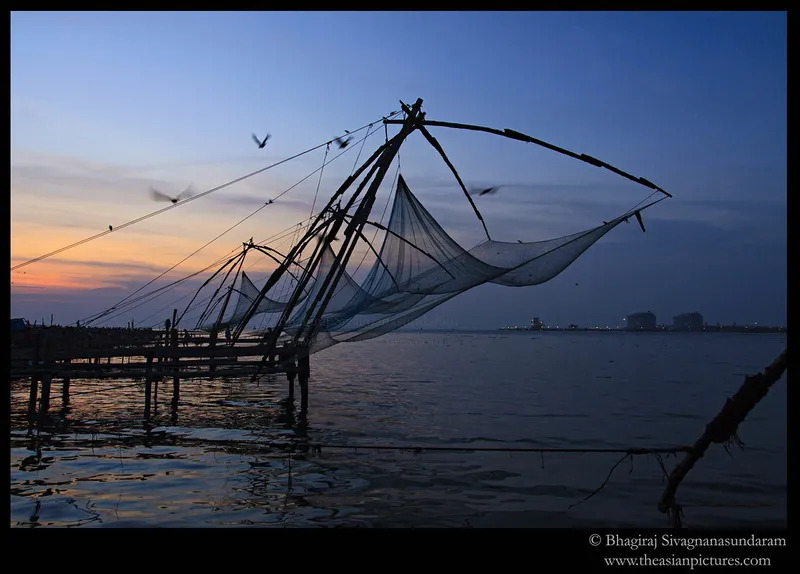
{"x": 260, "y": 143}
{"x": 485, "y": 190}
{"x": 158, "y": 196}
{"x": 343, "y": 143}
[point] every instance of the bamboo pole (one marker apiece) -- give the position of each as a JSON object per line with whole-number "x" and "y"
{"x": 357, "y": 224}
{"x": 515, "y": 135}
{"x": 292, "y": 255}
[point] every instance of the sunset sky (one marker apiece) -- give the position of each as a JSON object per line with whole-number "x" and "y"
{"x": 106, "y": 105}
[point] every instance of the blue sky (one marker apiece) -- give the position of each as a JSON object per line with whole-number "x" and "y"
{"x": 103, "y": 105}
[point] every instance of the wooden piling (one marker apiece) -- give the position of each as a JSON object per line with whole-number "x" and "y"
{"x": 46, "y": 358}
{"x": 35, "y": 377}
{"x": 304, "y": 368}
{"x": 148, "y": 385}
{"x": 44, "y": 404}
{"x": 287, "y": 358}
{"x": 212, "y": 342}
{"x": 176, "y": 380}
{"x": 33, "y": 395}
{"x": 65, "y": 387}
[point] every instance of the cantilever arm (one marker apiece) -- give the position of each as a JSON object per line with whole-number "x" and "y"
{"x": 515, "y": 135}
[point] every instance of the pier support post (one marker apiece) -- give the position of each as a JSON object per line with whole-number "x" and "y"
{"x": 287, "y": 358}
{"x": 34, "y": 395}
{"x": 46, "y": 358}
{"x": 148, "y": 385}
{"x": 35, "y": 377}
{"x": 65, "y": 386}
{"x": 212, "y": 342}
{"x": 47, "y": 381}
{"x": 304, "y": 373}
{"x": 176, "y": 380}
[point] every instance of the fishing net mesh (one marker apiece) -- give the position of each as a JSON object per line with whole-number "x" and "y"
{"x": 419, "y": 267}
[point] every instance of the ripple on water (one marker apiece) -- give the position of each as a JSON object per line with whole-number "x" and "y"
{"x": 233, "y": 454}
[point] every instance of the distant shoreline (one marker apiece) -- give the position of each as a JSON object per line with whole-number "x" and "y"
{"x": 715, "y": 329}
{"x": 749, "y": 330}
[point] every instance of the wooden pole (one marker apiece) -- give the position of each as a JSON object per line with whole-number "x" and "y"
{"x": 35, "y": 377}
{"x": 176, "y": 380}
{"x": 212, "y": 342}
{"x": 356, "y": 224}
{"x": 290, "y": 364}
{"x": 148, "y": 385}
{"x": 65, "y": 387}
{"x": 304, "y": 368}
{"x": 44, "y": 405}
{"x": 46, "y": 357}
{"x": 525, "y": 138}
{"x": 300, "y": 245}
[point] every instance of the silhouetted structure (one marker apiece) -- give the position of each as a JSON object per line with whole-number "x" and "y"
{"x": 688, "y": 322}
{"x": 536, "y": 324}
{"x": 641, "y": 321}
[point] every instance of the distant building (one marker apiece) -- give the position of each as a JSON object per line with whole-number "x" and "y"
{"x": 640, "y": 321}
{"x": 536, "y": 324}
{"x": 688, "y": 322}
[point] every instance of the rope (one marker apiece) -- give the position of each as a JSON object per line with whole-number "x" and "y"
{"x": 626, "y": 451}
{"x": 94, "y": 318}
{"x": 355, "y": 163}
{"x": 182, "y": 261}
{"x": 174, "y": 205}
{"x": 319, "y": 181}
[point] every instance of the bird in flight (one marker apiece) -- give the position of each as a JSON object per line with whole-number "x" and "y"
{"x": 485, "y": 190}
{"x": 260, "y": 143}
{"x": 343, "y": 143}
{"x": 158, "y": 196}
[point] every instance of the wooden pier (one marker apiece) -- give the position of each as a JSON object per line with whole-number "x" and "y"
{"x": 53, "y": 356}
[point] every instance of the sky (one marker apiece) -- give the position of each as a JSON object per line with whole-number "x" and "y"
{"x": 105, "y": 106}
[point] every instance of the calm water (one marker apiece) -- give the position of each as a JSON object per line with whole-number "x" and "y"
{"x": 232, "y": 454}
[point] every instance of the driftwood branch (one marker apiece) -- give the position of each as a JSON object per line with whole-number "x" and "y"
{"x": 722, "y": 430}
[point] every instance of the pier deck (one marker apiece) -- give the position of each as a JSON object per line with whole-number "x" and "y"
{"x": 72, "y": 355}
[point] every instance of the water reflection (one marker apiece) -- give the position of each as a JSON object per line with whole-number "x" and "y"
{"x": 234, "y": 452}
